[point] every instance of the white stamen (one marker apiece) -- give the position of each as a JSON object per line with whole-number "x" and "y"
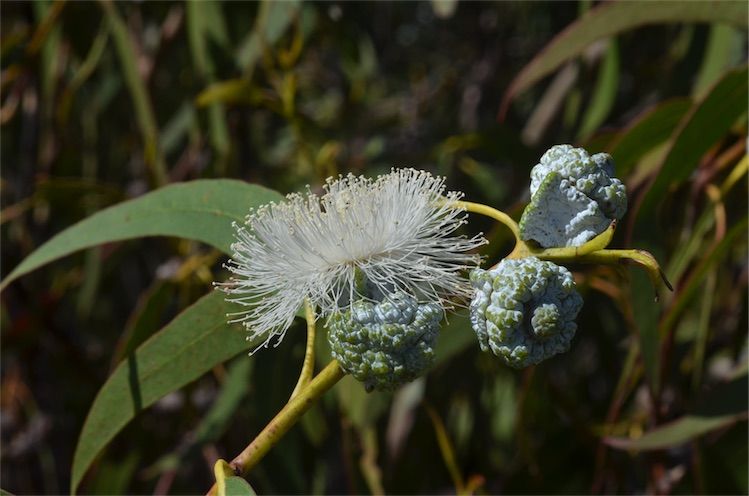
{"x": 398, "y": 230}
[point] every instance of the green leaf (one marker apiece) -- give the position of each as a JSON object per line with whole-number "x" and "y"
{"x": 144, "y": 320}
{"x": 648, "y": 131}
{"x": 725, "y": 405}
{"x": 723, "y": 50}
{"x": 611, "y": 18}
{"x": 218, "y": 418}
{"x": 691, "y": 287}
{"x": 206, "y": 27}
{"x": 646, "y": 312}
{"x": 113, "y": 477}
{"x": 604, "y": 94}
{"x": 237, "y": 486}
{"x": 202, "y": 210}
{"x": 704, "y": 127}
{"x": 272, "y": 21}
{"x": 456, "y": 335}
{"x": 144, "y": 110}
{"x": 193, "y": 343}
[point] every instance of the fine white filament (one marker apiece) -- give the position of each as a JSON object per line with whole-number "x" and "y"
{"x": 398, "y": 230}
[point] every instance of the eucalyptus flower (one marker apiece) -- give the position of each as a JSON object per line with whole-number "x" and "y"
{"x": 361, "y": 237}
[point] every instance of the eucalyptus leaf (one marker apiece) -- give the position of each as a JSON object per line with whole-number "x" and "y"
{"x": 193, "y": 343}
{"x": 649, "y": 130}
{"x": 202, "y": 210}
{"x": 710, "y": 120}
{"x": 723, "y": 406}
{"x": 610, "y": 18}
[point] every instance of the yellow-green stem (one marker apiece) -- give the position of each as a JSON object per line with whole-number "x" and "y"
{"x": 641, "y": 257}
{"x": 309, "y": 354}
{"x": 285, "y": 419}
{"x": 495, "y": 214}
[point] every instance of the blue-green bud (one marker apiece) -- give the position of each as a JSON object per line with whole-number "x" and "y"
{"x": 574, "y": 197}
{"x": 385, "y": 344}
{"x": 524, "y": 310}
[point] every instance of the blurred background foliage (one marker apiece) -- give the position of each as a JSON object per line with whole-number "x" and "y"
{"x": 103, "y": 102}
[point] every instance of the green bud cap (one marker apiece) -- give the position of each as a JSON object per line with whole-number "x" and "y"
{"x": 385, "y": 344}
{"x": 524, "y": 310}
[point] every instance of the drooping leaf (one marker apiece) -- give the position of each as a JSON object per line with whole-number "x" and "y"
{"x": 646, "y": 132}
{"x": 202, "y": 210}
{"x": 725, "y": 405}
{"x": 610, "y": 18}
{"x": 702, "y": 129}
{"x": 193, "y": 343}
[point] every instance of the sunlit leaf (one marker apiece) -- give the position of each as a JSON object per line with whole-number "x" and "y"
{"x": 610, "y": 18}
{"x": 202, "y": 210}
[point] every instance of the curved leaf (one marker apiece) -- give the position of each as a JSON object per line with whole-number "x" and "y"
{"x": 193, "y": 343}
{"x": 649, "y": 130}
{"x": 611, "y": 18}
{"x": 202, "y": 210}
{"x": 704, "y": 127}
{"x": 722, "y": 407}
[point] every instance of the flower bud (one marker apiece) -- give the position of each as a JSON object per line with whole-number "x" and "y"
{"x": 524, "y": 310}
{"x": 574, "y": 197}
{"x": 385, "y": 344}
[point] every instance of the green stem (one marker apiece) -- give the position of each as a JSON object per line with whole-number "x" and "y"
{"x": 495, "y": 214}
{"x": 309, "y": 354}
{"x": 285, "y": 419}
{"x": 611, "y": 257}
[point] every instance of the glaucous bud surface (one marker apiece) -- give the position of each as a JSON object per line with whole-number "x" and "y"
{"x": 385, "y": 344}
{"x": 574, "y": 197}
{"x": 524, "y": 310}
